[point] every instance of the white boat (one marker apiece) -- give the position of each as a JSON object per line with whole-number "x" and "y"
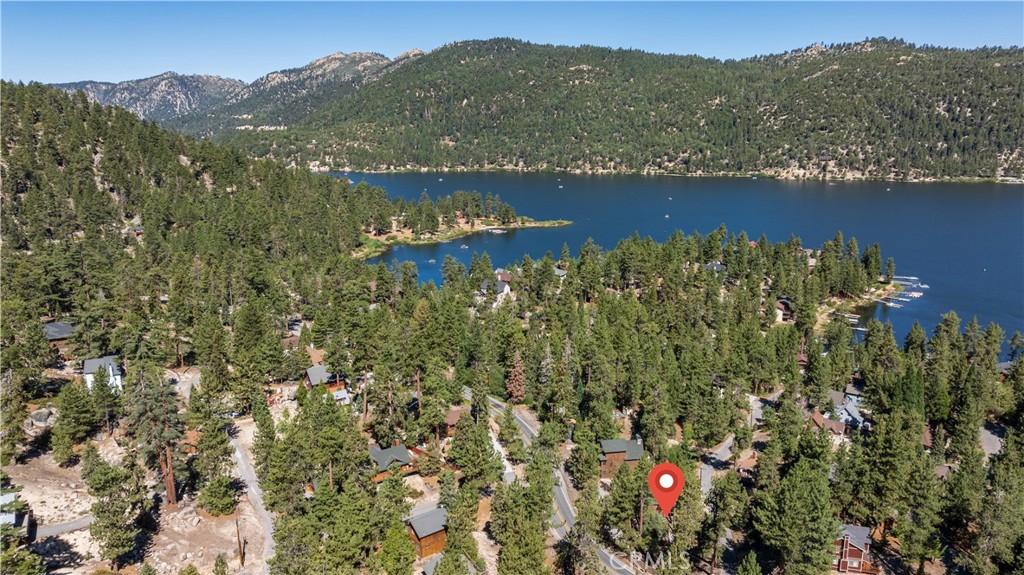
{"x": 666, "y": 216}
{"x": 559, "y": 187}
{"x": 463, "y": 247}
{"x": 431, "y": 261}
{"x": 440, "y": 179}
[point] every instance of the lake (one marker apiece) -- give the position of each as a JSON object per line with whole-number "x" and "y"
{"x": 966, "y": 241}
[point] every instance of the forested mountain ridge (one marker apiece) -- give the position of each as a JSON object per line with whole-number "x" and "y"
{"x": 284, "y": 97}
{"x": 878, "y": 109}
{"x": 210, "y": 105}
{"x": 161, "y": 97}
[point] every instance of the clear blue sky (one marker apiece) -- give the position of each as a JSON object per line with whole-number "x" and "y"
{"x": 62, "y": 42}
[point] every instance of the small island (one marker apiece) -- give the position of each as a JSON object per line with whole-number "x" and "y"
{"x": 375, "y": 243}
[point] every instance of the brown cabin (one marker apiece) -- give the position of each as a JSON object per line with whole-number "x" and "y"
{"x": 852, "y": 553}
{"x": 453, "y": 418}
{"x": 397, "y": 455}
{"x": 429, "y": 532}
{"x": 618, "y": 452}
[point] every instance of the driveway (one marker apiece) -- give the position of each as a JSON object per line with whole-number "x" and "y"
{"x": 252, "y": 485}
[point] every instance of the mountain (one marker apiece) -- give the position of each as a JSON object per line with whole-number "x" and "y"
{"x": 287, "y": 96}
{"x": 161, "y": 97}
{"x": 210, "y": 106}
{"x": 876, "y": 109}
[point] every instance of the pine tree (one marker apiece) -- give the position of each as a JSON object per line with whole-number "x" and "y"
{"x": 584, "y": 462}
{"x": 522, "y": 550}
{"x": 220, "y": 565}
{"x": 449, "y": 488}
{"x": 152, "y": 421}
{"x": 749, "y": 565}
{"x": 62, "y": 444}
{"x": 397, "y": 553}
{"x": 218, "y": 495}
{"x": 76, "y": 411}
{"x": 12, "y": 416}
{"x": 799, "y": 524}
{"x": 121, "y": 501}
{"x": 105, "y": 400}
{"x": 918, "y": 525}
{"x": 473, "y": 452}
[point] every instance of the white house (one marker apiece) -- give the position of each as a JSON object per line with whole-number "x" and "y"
{"x": 110, "y": 363}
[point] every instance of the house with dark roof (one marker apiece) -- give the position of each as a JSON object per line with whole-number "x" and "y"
{"x": 384, "y": 459}
{"x": 429, "y": 531}
{"x": 318, "y": 374}
{"x": 110, "y": 363}
{"x": 618, "y": 452}
{"x": 852, "y": 551}
{"x": 57, "y": 334}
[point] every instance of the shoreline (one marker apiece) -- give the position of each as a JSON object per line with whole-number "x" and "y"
{"x": 658, "y": 173}
{"x": 373, "y": 247}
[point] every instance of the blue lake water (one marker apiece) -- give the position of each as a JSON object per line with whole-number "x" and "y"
{"x": 966, "y": 241}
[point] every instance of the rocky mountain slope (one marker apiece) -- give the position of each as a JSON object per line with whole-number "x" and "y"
{"x": 210, "y": 106}
{"x": 162, "y": 97}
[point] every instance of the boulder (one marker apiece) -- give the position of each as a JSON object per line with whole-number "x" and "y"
{"x": 41, "y": 417}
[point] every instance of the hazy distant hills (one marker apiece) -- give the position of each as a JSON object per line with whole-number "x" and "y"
{"x": 878, "y": 108}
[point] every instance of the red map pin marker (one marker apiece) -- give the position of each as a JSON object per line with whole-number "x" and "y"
{"x": 666, "y": 482}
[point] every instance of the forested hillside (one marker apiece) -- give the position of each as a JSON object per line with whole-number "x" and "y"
{"x": 77, "y": 175}
{"x": 667, "y": 342}
{"x": 879, "y": 109}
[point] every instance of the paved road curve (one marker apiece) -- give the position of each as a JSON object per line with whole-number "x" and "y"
{"x": 255, "y": 494}
{"x": 564, "y": 516}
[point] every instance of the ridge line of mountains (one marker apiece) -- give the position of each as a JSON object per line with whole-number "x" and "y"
{"x": 880, "y": 109}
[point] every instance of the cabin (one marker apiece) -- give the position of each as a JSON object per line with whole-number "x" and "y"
{"x": 453, "y": 418}
{"x": 136, "y": 231}
{"x": 836, "y": 429}
{"x": 385, "y": 458}
{"x": 846, "y": 410}
{"x": 428, "y": 532}
{"x": 716, "y": 267}
{"x": 785, "y": 311}
{"x": 497, "y": 286}
{"x": 618, "y": 452}
{"x": 110, "y": 363}
{"x": 503, "y": 275}
{"x": 852, "y": 552}
{"x": 57, "y": 334}
{"x": 854, "y": 393}
{"x": 560, "y": 274}
{"x": 318, "y": 375}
